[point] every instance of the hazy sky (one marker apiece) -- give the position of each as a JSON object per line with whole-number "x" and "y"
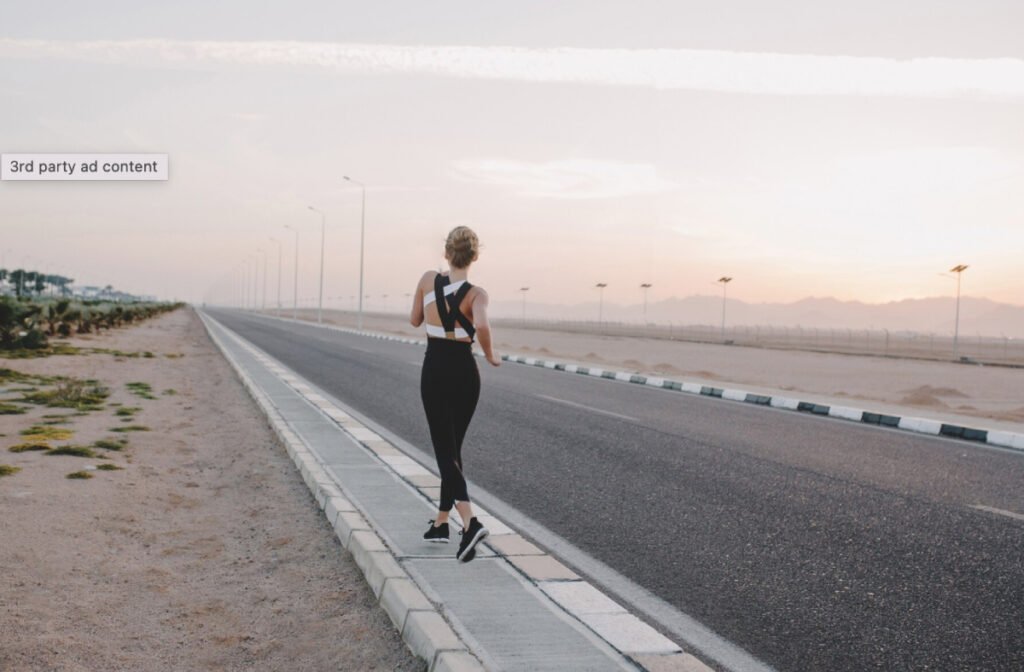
{"x": 805, "y": 148}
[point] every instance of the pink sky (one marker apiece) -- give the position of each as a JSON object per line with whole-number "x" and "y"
{"x": 862, "y": 173}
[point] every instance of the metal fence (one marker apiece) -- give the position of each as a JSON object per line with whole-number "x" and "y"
{"x": 879, "y": 342}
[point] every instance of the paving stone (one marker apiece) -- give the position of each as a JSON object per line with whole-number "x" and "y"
{"x": 400, "y": 596}
{"x": 324, "y": 491}
{"x": 361, "y": 544}
{"x": 493, "y": 525}
{"x": 363, "y": 434}
{"x": 579, "y": 598}
{"x": 629, "y": 634}
{"x": 336, "y": 414}
{"x": 456, "y": 661}
{"x": 346, "y": 523}
{"x": 404, "y": 465}
{"x": 542, "y": 567}
{"x": 512, "y": 544}
{"x": 336, "y": 504}
{"x": 381, "y": 567}
{"x": 426, "y": 633}
{"x": 382, "y": 448}
{"x": 425, "y": 480}
{"x": 674, "y": 662}
{"x": 433, "y": 493}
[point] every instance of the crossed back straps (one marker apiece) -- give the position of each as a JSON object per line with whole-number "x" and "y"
{"x": 448, "y": 306}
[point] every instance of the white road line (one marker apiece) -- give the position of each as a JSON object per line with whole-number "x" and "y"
{"x": 586, "y": 408}
{"x": 1001, "y": 512}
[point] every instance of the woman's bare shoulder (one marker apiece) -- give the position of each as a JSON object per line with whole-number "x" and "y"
{"x": 427, "y": 279}
{"x": 479, "y": 292}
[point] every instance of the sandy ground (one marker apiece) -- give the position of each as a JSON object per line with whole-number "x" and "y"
{"x": 206, "y": 552}
{"x": 932, "y": 388}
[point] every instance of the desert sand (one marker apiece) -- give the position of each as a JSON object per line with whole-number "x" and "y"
{"x": 205, "y": 552}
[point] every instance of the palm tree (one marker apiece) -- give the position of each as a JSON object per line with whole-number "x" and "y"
{"x": 18, "y": 278}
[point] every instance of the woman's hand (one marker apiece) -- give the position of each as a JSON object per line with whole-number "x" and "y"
{"x": 416, "y": 316}
{"x": 483, "y": 327}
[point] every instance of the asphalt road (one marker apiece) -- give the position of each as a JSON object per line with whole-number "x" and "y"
{"x": 812, "y": 543}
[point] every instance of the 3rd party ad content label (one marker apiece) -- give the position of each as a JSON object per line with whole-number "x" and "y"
{"x": 83, "y": 167}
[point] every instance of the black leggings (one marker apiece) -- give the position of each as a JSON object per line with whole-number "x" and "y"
{"x": 450, "y": 387}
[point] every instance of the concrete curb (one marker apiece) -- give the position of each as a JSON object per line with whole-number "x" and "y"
{"x": 423, "y": 627}
{"x": 992, "y": 437}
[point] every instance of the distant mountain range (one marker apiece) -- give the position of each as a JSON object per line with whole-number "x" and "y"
{"x": 932, "y": 315}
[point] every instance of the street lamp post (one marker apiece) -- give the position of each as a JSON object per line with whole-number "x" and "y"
{"x": 524, "y": 290}
{"x": 323, "y": 229}
{"x": 645, "y": 286}
{"x": 263, "y": 306}
{"x": 725, "y": 285}
{"x": 295, "y": 281}
{"x": 600, "y": 302}
{"x": 255, "y": 279}
{"x": 958, "y": 269}
{"x": 362, "y": 237}
{"x": 280, "y": 247}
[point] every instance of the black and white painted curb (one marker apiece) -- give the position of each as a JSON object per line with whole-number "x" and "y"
{"x": 421, "y": 623}
{"x": 992, "y": 437}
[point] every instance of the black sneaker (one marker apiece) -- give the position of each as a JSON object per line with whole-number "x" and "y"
{"x": 471, "y": 536}
{"x": 437, "y": 534}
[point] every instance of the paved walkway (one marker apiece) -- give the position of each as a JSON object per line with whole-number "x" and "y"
{"x": 513, "y": 608}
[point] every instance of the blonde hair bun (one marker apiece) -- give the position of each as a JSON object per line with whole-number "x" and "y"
{"x": 462, "y": 247}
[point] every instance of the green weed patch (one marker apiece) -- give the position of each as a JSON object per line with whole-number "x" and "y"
{"x": 28, "y": 446}
{"x": 110, "y": 444}
{"x": 36, "y": 353}
{"x": 81, "y": 395}
{"x": 130, "y": 428}
{"x": 141, "y": 390}
{"x": 44, "y": 433}
{"x": 73, "y": 451}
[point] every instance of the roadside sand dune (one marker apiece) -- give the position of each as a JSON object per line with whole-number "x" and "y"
{"x": 206, "y": 552}
{"x": 937, "y": 391}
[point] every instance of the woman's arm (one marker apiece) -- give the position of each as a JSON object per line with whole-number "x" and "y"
{"x": 416, "y": 317}
{"x": 483, "y": 328}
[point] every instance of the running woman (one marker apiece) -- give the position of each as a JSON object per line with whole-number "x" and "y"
{"x": 453, "y": 311}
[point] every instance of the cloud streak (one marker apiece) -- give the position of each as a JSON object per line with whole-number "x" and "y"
{"x": 682, "y": 69}
{"x": 568, "y": 178}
